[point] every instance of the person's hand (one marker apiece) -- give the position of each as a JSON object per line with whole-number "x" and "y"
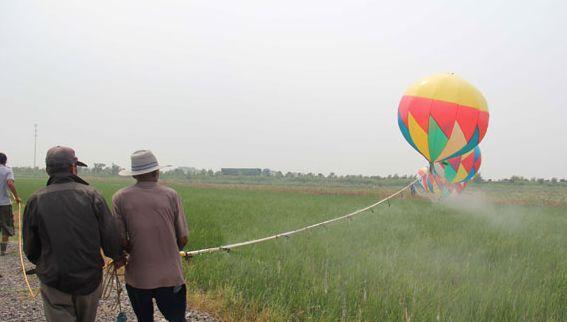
{"x": 187, "y": 259}
{"x": 17, "y": 199}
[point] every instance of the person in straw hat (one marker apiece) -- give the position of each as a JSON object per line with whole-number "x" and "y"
{"x": 154, "y": 229}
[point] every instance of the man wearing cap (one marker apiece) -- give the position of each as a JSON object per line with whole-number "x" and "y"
{"x": 154, "y": 230}
{"x": 6, "y": 215}
{"x": 65, "y": 225}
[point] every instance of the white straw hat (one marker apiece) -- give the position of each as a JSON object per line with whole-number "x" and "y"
{"x": 143, "y": 161}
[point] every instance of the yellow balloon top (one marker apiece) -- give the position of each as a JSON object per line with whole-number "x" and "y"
{"x": 449, "y": 88}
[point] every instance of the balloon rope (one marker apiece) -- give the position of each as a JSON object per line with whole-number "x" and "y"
{"x": 227, "y": 248}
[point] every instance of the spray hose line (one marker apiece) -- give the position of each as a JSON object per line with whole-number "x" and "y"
{"x": 228, "y": 248}
{"x": 20, "y": 251}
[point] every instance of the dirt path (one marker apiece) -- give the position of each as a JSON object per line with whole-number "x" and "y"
{"x": 16, "y": 304}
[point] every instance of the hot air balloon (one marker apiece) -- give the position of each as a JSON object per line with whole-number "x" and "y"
{"x": 435, "y": 184}
{"x": 443, "y": 116}
{"x": 461, "y": 168}
{"x": 459, "y": 187}
{"x": 431, "y": 182}
{"x": 423, "y": 183}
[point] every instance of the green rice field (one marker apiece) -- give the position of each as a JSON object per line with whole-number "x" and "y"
{"x": 497, "y": 253}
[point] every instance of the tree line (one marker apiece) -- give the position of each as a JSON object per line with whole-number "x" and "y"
{"x": 268, "y": 175}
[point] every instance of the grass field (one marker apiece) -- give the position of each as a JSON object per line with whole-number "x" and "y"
{"x": 495, "y": 254}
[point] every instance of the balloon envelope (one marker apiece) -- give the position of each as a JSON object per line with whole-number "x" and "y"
{"x": 443, "y": 116}
{"x": 461, "y": 168}
{"x": 435, "y": 183}
{"x": 459, "y": 187}
{"x": 430, "y": 182}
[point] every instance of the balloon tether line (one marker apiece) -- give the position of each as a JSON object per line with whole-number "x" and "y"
{"x": 228, "y": 248}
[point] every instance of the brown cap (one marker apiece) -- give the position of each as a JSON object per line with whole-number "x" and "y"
{"x": 60, "y": 156}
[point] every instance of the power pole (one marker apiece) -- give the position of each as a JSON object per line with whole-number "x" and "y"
{"x": 34, "y": 144}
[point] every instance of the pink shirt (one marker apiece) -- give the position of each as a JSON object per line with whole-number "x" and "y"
{"x": 151, "y": 217}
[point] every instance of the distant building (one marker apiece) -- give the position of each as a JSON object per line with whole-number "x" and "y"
{"x": 241, "y": 171}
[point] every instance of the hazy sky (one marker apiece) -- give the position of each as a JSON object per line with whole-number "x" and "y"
{"x": 287, "y": 85}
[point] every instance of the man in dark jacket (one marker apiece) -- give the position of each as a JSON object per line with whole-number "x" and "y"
{"x": 65, "y": 225}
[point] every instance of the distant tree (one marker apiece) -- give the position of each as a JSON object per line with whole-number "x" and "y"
{"x": 266, "y": 172}
{"x": 332, "y": 175}
{"x": 478, "y": 178}
{"x": 175, "y": 173}
{"x": 517, "y": 179}
{"x": 98, "y": 167}
{"x": 188, "y": 170}
{"x": 114, "y": 169}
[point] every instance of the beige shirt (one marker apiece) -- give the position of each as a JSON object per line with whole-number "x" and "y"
{"x": 151, "y": 218}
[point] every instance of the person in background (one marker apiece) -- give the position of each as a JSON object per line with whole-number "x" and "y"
{"x": 154, "y": 230}
{"x": 6, "y": 214}
{"x": 65, "y": 225}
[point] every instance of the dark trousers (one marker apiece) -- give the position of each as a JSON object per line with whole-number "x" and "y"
{"x": 171, "y": 301}
{"x": 63, "y": 307}
{"x": 6, "y": 221}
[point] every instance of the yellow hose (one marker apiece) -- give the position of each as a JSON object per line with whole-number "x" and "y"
{"x": 22, "y": 254}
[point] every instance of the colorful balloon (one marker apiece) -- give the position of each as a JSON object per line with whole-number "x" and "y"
{"x": 430, "y": 182}
{"x": 423, "y": 183}
{"x": 461, "y": 168}
{"x": 434, "y": 183}
{"x": 443, "y": 116}
{"x": 459, "y": 187}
